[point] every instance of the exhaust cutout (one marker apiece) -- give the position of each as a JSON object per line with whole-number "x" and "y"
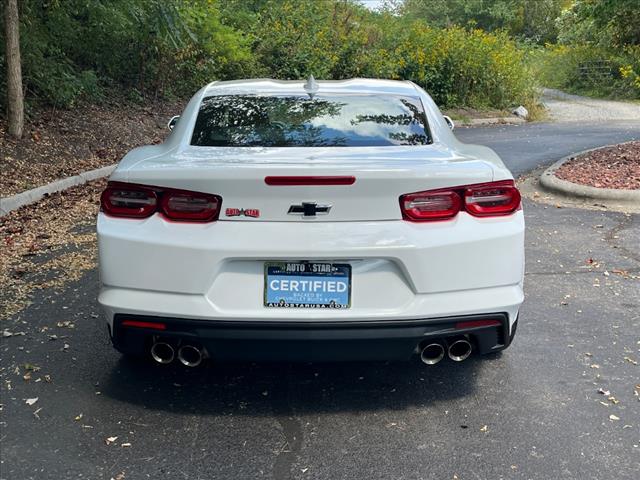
{"x": 190, "y": 356}
{"x": 432, "y": 353}
{"x": 162, "y": 352}
{"x": 459, "y": 350}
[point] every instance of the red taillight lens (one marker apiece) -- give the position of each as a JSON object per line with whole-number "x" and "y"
{"x": 190, "y": 206}
{"x": 433, "y": 205}
{"x": 141, "y": 201}
{"x": 128, "y": 201}
{"x": 496, "y": 198}
{"x": 480, "y": 200}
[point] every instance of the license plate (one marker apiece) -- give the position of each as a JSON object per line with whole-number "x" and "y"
{"x": 307, "y": 285}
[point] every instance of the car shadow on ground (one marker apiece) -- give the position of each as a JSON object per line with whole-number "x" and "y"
{"x": 281, "y": 388}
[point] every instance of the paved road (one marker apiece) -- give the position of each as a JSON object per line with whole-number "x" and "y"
{"x": 533, "y": 412}
{"x": 525, "y": 147}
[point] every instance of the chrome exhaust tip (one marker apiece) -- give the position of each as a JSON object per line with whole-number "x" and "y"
{"x": 432, "y": 353}
{"x": 190, "y": 355}
{"x": 459, "y": 350}
{"x": 162, "y": 352}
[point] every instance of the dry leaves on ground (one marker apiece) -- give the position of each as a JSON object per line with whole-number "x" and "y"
{"x": 47, "y": 244}
{"x": 62, "y": 143}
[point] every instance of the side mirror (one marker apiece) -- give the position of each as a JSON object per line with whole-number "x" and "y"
{"x": 449, "y": 122}
{"x": 173, "y": 122}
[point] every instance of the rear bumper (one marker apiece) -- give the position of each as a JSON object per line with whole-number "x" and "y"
{"x": 400, "y": 270}
{"x": 319, "y": 341}
{"x": 410, "y": 281}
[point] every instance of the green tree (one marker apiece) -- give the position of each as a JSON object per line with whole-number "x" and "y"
{"x": 532, "y": 19}
{"x": 608, "y": 23}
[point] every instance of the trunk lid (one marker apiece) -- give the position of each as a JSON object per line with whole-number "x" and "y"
{"x": 382, "y": 175}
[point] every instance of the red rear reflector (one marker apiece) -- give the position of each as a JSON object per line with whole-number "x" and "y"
{"x": 140, "y": 324}
{"x": 132, "y": 201}
{"x": 478, "y": 323}
{"x": 433, "y": 205}
{"x": 496, "y": 198}
{"x": 296, "y": 181}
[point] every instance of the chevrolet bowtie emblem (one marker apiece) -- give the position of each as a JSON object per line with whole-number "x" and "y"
{"x": 309, "y": 209}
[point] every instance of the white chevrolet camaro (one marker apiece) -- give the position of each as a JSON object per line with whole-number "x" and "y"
{"x": 311, "y": 220}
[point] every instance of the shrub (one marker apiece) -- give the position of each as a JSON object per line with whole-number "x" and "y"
{"x": 457, "y": 66}
{"x": 591, "y": 70}
{"x": 77, "y": 48}
{"x": 462, "y": 67}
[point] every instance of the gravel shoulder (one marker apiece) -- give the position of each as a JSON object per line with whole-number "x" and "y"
{"x": 564, "y": 107}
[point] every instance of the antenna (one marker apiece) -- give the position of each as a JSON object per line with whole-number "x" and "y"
{"x": 311, "y": 87}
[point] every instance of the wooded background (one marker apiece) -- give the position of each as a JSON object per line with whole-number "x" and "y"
{"x": 466, "y": 53}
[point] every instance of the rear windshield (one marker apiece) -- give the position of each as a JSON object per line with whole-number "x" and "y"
{"x": 301, "y": 121}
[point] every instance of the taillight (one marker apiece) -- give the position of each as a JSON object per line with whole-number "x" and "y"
{"x": 480, "y": 200}
{"x": 433, "y": 205}
{"x": 198, "y": 207}
{"x": 489, "y": 199}
{"x": 141, "y": 201}
{"x": 121, "y": 200}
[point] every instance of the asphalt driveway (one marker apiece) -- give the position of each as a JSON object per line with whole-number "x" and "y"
{"x": 533, "y": 412}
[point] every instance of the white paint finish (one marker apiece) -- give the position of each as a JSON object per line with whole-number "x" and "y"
{"x": 382, "y": 174}
{"x": 401, "y": 270}
{"x": 223, "y": 261}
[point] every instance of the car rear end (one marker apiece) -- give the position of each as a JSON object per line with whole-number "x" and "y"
{"x": 288, "y": 244}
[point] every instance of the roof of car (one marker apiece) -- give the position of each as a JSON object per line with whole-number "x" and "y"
{"x": 353, "y": 85}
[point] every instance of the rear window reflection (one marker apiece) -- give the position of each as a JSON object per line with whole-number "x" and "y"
{"x": 301, "y": 121}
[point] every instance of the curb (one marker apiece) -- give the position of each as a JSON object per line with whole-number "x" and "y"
{"x": 553, "y": 183}
{"x": 478, "y": 122}
{"x": 31, "y": 196}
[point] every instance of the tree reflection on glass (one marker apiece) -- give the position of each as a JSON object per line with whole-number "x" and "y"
{"x": 298, "y": 120}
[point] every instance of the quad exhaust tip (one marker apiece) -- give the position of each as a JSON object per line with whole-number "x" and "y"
{"x": 162, "y": 352}
{"x": 459, "y": 350}
{"x": 432, "y": 353}
{"x": 190, "y": 355}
